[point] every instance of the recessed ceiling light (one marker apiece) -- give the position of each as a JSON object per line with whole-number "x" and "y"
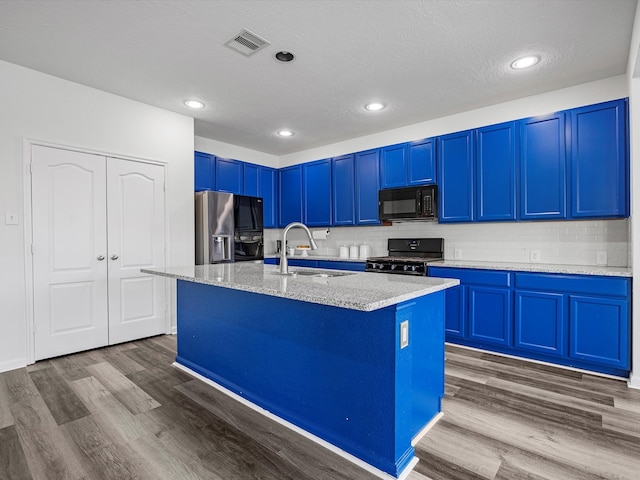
{"x": 525, "y": 62}
{"x": 284, "y": 56}
{"x": 374, "y": 106}
{"x": 195, "y": 104}
{"x": 285, "y": 133}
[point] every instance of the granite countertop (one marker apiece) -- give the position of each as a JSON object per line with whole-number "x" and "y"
{"x": 508, "y": 266}
{"x": 352, "y": 290}
{"x": 538, "y": 267}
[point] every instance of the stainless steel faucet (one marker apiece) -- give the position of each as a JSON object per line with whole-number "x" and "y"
{"x": 284, "y": 264}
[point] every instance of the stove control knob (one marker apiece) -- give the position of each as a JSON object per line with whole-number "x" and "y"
{"x": 406, "y": 267}
{"x": 414, "y": 268}
{"x": 393, "y": 267}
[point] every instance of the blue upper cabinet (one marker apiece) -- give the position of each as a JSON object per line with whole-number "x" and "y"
{"x": 496, "y": 173}
{"x": 343, "y": 190}
{"x": 229, "y": 176}
{"x": 251, "y": 180}
{"x": 456, "y": 177}
{"x": 421, "y": 163}
{"x": 367, "y": 186}
{"x": 316, "y": 192}
{"x": 269, "y": 194}
{"x": 290, "y": 195}
{"x": 393, "y": 166}
{"x": 204, "y": 171}
{"x": 600, "y": 161}
{"x": 543, "y": 193}
{"x": 408, "y": 164}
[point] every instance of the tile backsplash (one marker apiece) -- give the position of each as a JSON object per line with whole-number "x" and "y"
{"x": 561, "y": 242}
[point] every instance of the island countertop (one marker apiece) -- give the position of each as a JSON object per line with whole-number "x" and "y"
{"x": 352, "y": 290}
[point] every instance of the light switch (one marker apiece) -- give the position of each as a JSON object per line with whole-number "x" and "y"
{"x": 11, "y": 218}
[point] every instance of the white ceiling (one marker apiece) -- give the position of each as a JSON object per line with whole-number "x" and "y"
{"x": 424, "y": 58}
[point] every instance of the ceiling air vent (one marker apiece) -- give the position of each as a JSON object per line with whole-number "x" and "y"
{"x": 247, "y": 43}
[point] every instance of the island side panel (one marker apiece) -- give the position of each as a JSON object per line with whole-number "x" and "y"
{"x": 337, "y": 373}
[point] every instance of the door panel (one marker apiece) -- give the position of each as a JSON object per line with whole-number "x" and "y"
{"x": 136, "y": 240}
{"x": 69, "y": 237}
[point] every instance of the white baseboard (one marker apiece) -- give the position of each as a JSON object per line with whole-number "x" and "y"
{"x": 12, "y": 365}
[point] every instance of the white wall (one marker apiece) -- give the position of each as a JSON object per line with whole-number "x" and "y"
{"x": 633, "y": 75}
{"x": 46, "y": 108}
{"x": 226, "y": 150}
{"x": 577, "y": 96}
{"x": 559, "y": 242}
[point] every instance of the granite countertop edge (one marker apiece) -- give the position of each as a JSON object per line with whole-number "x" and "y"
{"x": 595, "y": 270}
{"x": 343, "y": 291}
{"x": 569, "y": 269}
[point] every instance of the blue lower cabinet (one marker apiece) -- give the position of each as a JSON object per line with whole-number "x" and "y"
{"x": 600, "y": 330}
{"x": 327, "y": 264}
{"x": 490, "y": 315}
{"x": 292, "y": 262}
{"x": 580, "y": 321}
{"x": 455, "y": 321}
{"x": 338, "y": 265}
{"x": 541, "y": 322}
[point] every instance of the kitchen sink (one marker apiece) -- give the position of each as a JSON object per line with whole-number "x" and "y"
{"x": 318, "y": 273}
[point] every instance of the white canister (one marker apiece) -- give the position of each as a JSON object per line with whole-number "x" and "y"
{"x": 353, "y": 251}
{"x": 364, "y": 251}
{"x": 344, "y": 252}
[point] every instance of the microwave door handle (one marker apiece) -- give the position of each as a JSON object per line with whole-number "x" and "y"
{"x": 418, "y": 203}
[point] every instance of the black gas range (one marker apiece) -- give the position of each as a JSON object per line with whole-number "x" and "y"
{"x": 408, "y": 256}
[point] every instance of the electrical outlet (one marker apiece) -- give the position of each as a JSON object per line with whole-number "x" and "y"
{"x": 11, "y": 218}
{"x": 601, "y": 257}
{"x": 535, "y": 255}
{"x": 457, "y": 254}
{"x": 404, "y": 334}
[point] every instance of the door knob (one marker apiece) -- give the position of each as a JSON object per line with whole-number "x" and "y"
{"x": 100, "y": 257}
{"x": 114, "y": 257}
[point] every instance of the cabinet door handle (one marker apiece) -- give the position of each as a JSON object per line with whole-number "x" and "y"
{"x": 114, "y": 257}
{"x": 100, "y": 257}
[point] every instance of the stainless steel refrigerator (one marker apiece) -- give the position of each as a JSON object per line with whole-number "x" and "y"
{"x": 229, "y": 228}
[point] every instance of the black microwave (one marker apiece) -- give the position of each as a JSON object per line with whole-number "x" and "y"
{"x": 410, "y": 203}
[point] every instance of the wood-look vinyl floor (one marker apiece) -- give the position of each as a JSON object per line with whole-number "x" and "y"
{"x": 124, "y": 412}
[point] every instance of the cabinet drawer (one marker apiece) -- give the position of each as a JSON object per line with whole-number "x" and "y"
{"x": 494, "y": 278}
{"x": 595, "y": 285}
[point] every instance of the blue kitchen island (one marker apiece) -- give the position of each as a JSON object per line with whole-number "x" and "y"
{"x": 356, "y": 360}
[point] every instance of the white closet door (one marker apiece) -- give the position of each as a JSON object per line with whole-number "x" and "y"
{"x": 136, "y": 238}
{"x": 69, "y": 251}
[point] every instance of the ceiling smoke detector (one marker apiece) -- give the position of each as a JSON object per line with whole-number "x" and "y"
{"x": 247, "y": 43}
